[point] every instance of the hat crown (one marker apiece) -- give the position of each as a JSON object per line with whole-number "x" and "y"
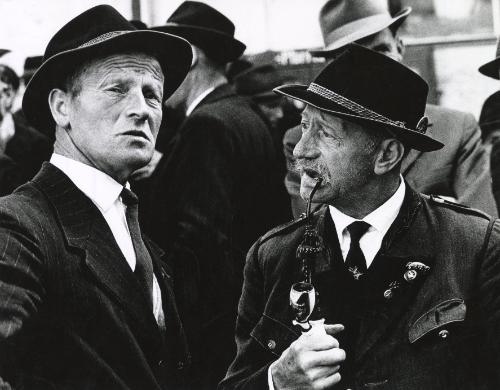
{"x": 381, "y": 84}
{"x": 87, "y": 26}
{"x": 337, "y": 13}
{"x": 196, "y": 14}
{"x": 258, "y": 79}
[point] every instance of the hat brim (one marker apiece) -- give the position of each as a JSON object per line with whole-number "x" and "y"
{"x": 362, "y": 28}
{"x": 491, "y": 69}
{"x": 222, "y": 47}
{"x": 410, "y": 138}
{"x": 173, "y": 53}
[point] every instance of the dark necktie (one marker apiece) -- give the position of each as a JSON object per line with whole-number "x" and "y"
{"x": 355, "y": 260}
{"x": 144, "y": 264}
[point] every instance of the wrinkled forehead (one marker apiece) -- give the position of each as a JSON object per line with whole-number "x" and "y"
{"x": 140, "y": 64}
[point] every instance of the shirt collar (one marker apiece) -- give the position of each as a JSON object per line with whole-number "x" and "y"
{"x": 197, "y": 101}
{"x": 379, "y": 219}
{"x": 102, "y": 189}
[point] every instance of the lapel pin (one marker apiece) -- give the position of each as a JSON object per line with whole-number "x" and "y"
{"x": 389, "y": 293}
{"x": 414, "y": 269}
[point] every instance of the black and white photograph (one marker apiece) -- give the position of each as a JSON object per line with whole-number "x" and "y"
{"x": 249, "y": 195}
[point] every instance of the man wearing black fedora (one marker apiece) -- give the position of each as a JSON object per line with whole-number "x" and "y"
{"x": 85, "y": 299}
{"x": 461, "y": 169}
{"x": 215, "y": 190}
{"x": 407, "y": 284}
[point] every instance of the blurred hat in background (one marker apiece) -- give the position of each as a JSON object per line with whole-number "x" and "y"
{"x": 347, "y": 21}
{"x": 259, "y": 82}
{"x": 491, "y": 68}
{"x": 206, "y": 28}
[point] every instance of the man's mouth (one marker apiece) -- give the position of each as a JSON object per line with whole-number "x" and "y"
{"x": 311, "y": 173}
{"x": 136, "y": 133}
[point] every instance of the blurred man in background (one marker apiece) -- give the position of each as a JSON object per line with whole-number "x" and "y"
{"x": 27, "y": 147}
{"x": 215, "y": 190}
{"x": 460, "y": 171}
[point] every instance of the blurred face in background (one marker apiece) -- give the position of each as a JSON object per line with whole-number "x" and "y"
{"x": 7, "y": 96}
{"x": 272, "y": 110}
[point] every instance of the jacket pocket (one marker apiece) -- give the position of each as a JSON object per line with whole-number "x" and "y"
{"x": 273, "y": 335}
{"x": 444, "y": 313}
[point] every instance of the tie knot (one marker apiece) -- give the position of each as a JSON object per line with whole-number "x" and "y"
{"x": 357, "y": 229}
{"x": 128, "y": 197}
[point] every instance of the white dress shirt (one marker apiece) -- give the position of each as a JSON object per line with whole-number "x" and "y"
{"x": 105, "y": 192}
{"x": 380, "y": 221}
{"x": 197, "y": 101}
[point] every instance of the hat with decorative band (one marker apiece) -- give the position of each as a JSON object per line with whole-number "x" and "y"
{"x": 347, "y": 21}
{"x": 370, "y": 88}
{"x": 98, "y": 32}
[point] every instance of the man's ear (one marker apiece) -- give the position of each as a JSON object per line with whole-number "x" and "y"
{"x": 59, "y": 106}
{"x": 400, "y": 46}
{"x": 390, "y": 154}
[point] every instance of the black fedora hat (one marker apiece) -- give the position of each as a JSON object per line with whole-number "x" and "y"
{"x": 491, "y": 68}
{"x": 96, "y": 32}
{"x": 370, "y": 88}
{"x": 206, "y": 28}
{"x": 347, "y": 21}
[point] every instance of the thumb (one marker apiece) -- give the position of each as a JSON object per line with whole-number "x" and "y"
{"x": 333, "y": 329}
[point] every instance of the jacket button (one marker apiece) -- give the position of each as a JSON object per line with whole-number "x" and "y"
{"x": 161, "y": 363}
{"x": 271, "y": 344}
{"x": 180, "y": 365}
{"x": 388, "y": 294}
{"x": 443, "y": 333}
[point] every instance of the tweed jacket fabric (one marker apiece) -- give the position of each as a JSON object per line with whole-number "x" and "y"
{"x": 214, "y": 193}
{"x": 437, "y": 331}
{"x": 460, "y": 170}
{"x": 72, "y": 313}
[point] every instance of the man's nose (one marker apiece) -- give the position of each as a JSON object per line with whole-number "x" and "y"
{"x": 306, "y": 147}
{"x": 138, "y": 107}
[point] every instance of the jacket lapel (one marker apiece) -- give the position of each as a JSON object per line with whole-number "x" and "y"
{"x": 387, "y": 293}
{"x": 86, "y": 231}
{"x": 174, "y": 336}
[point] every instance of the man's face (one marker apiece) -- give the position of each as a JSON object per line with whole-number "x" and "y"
{"x": 384, "y": 42}
{"x": 116, "y": 115}
{"x": 336, "y": 150}
{"x": 273, "y": 110}
{"x": 7, "y": 95}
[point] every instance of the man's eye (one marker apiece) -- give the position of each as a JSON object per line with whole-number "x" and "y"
{"x": 304, "y": 125}
{"x": 115, "y": 89}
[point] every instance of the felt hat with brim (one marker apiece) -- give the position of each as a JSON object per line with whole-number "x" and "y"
{"x": 206, "y": 28}
{"x": 259, "y": 82}
{"x": 98, "y": 32}
{"x": 347, "y": 21}
{"x": 491, "y": 68}
{"x": 371, "y": 89}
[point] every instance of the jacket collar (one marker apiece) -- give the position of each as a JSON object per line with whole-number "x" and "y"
{"x": 223, "y": 91}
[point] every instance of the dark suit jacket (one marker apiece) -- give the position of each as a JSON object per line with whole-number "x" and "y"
{"x": 10, "y": 177}
{"x": 216, "y": 191}
{"x": 439, "y": 331}
{"x": 29, "y": 148}
{"x": 72, "y": 315}
{"x": 460, "y": 170}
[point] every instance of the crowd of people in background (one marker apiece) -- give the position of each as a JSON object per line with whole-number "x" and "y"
{"x": 222, "y": 174}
